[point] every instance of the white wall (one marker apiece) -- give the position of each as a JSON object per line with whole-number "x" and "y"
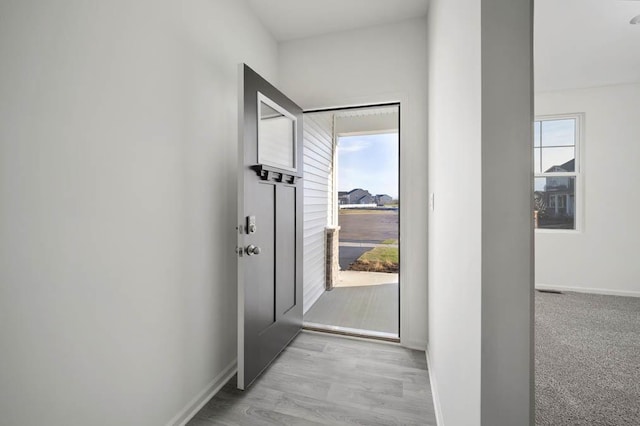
{"x": 507, "y": 380}
{"x": 382, "y": 64}
{"x": 118, "y": 153}
{"x": 480, "y": 231}
{"x": 599, "y": 258}
{"x": 455, "y": 223}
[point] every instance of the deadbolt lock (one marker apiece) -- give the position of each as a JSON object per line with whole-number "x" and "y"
{"x": 251, "y": 225}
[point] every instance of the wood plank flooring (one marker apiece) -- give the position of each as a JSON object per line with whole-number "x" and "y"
{"x": 328, "y": 380}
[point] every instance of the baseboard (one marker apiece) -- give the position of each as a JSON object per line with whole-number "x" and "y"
{"x": 434, "y": 392}
{"x": 603, "y": 291}
{"x": 203, "y": 397}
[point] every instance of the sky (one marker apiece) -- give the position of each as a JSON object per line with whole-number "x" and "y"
{"x": 369, "y": 162}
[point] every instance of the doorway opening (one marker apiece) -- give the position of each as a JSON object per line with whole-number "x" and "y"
{"x": 351, "y": 213}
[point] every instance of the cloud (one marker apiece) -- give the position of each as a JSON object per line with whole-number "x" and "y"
{"x": 353, "y": 146}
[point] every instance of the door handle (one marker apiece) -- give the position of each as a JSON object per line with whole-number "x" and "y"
{"x": 252, "y": 250}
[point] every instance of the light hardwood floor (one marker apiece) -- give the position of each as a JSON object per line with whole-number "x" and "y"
{"x": 328, "y": 380}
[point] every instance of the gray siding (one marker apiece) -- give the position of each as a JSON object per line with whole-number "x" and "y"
{"x": 318, "y": 154}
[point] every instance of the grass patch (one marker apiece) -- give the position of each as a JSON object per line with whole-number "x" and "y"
{"x": 381, "y": 254}
{"x": 379, "y": 259}
{"x": 392, "y": 241}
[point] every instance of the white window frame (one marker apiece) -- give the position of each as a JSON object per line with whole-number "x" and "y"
{"x": 579, "y": 204}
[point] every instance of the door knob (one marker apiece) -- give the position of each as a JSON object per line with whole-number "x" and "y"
{"x": 251, "y": 250}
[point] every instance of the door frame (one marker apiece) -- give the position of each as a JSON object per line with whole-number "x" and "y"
{"x": 403, "y": 323}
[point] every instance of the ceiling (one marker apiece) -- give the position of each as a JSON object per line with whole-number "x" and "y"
{"x": 585, "y": 43}
{"x": 294, "y": 19}
{"x": 367, "y": 111}
{"x": 578, "y": 43}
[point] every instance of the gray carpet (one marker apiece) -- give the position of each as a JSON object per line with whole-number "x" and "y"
{"x": 372, "y": 307}
{"x": 587, "y": 360}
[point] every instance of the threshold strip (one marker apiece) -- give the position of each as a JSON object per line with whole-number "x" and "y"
{"x": 352, "y": 332}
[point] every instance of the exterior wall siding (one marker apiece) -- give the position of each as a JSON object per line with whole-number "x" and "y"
{"x": 318, "y": 154}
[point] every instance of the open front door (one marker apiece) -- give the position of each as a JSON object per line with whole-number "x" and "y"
{"x": 270, "y": 225}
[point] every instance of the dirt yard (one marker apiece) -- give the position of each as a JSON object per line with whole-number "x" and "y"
{"x": 368, "y": 225}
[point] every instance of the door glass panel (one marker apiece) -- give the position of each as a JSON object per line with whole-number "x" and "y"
{"x": 276, "y": 135}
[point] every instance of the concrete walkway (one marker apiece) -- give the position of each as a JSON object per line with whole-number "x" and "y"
{"x": 348, "y": 255}
{"x": 369, "y": 309}
{"x": 362, "y": 278}
{"x": 367, "y": 302}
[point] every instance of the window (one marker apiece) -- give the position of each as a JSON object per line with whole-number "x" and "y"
{"x": 556, "y": 146}
{"x": 276, "y": 135}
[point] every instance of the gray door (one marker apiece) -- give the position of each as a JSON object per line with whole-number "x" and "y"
{"x": 270, "y": 225}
